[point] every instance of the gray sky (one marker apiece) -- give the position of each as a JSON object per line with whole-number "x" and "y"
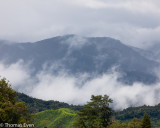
{"x": 134, "y": 22}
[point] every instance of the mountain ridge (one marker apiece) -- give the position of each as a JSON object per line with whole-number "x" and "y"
{"x": 78, "y": 54}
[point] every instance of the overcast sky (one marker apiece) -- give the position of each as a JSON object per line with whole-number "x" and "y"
{"x": 134, "y": 22}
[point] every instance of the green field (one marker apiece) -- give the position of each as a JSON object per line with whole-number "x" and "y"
{"x": 60, "y": 118}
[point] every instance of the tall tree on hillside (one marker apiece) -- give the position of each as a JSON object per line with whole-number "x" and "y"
{"x": 135, "y": 123}
{"x": 95, "y": 114}
{"x": 11, "y": 111}
{"x": 146, "y": 123}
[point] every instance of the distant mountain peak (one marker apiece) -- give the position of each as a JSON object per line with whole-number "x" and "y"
{"x": 77, "y": 54}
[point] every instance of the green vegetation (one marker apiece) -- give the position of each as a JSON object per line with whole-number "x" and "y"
{"x": 11, "y": 111}
{"x": 134, "y": 123}
{"x": 66, "y": 118}
{"x": 146, "y": 121}
{"x": 117, "y": 124}
{"x": 36, "y": 105}
{"x": 138, "y": 112}
{"x": 95, "y": 114}
{"x": 60, "y": 118}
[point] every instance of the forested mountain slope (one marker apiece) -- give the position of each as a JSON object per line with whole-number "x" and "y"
{"x": 36, "y": 105}
{"x": 138, "y": 112}
{"x": 76, "y": 55}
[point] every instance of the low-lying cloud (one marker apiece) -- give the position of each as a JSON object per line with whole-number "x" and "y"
{"x": 16, "y": 73}
{"x": 76, "y": 89}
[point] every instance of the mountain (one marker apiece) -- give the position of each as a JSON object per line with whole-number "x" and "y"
{"x": 76, "y": 55}
{"x": 60, "y": 118}
{"x": 36, "y": 105}
{"x": 145, "y": 53}
{"x": 154, "y": 49}
{"x": 138, "y": 112}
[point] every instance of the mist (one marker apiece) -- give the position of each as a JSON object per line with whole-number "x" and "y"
{"x": 78, "y": 89}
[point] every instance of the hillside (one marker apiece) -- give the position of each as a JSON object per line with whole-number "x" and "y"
{"x": 36, "y": 105}
{"x": 60, "y": 118}
{"x": 78, "y": 55}
{"x": 131, "y": 112}
{"x": 43, "y": 107}
{"x": 64, "y": 118}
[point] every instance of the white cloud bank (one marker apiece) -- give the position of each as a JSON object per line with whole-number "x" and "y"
{"x": 63, "y": 87}
{"x": 15, "y": 73}
{"x": 134, "y": 22}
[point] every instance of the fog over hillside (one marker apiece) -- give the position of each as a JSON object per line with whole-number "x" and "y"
{"x": 63, "y": 87}
{"x": 72, "y": 68}
{"x": 67, "y": 50}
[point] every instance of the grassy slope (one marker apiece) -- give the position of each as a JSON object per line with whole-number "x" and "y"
{"x": 60, "y": 118}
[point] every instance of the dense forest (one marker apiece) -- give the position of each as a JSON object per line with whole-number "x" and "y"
{"x": 20, "y": 108}
{"x": 138, "y": 112}
{"x": 36, "y": 105}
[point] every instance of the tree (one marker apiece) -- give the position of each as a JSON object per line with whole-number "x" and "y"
{"x": 146, "y": 121}
{"x": 135, "y": 123}
{"x": 118, "y": 124}
{"x": 95, "y": 114}
{"x": 11, "y": 111}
